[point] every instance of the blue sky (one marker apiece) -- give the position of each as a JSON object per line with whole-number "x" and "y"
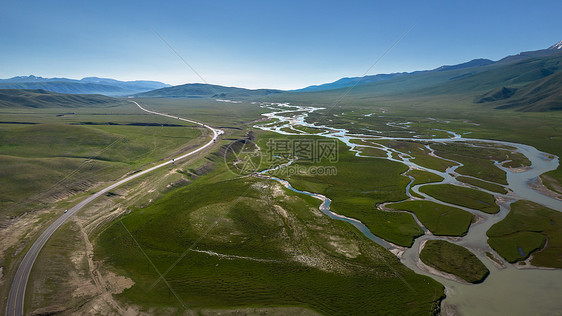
{"x": 263, "y": 44}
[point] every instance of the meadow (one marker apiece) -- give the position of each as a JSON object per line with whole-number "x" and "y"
{"x": 454, "y": 259}
{"x": 440, "y": 219}
{"x": 529, "y": 230}
{"x": 242, "y": 241}
{"x": 462, "y": 196}
{"x": 51, "y": 160}
{"x": 250, "y": 242}
{"x": 359, "y": 185}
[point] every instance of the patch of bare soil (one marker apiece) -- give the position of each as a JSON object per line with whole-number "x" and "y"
{"x": 537, "y": 184}
{"x": 49, "y": 310}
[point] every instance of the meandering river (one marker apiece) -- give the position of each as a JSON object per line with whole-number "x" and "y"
{"x": 508, "y": 290}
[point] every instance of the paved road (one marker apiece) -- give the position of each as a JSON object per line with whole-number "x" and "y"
{"x": 16, "y": 297}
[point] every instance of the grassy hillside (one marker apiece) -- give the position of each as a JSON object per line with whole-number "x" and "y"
{"x": 466, "y": 84}
{"x": 55, "y": 156}
{"x": 199, "y": 90}
{"x": 357, "y": 187}
{"x": 11, "y": 98}
{"x": 541, "y": 95}
{"x": 250, "y": 242}
{"x": 66, "y": 87}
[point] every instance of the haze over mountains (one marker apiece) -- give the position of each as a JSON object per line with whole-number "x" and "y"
{"x": 528, "y": 81}
{"x": 88, "y": 85}
{"x": 200, "y": 90}
{"x": 15, "y": 98}
{"x": 347, "y": 82}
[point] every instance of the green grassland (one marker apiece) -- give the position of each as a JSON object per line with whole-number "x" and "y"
{"x": 479, "y": 161}
{"x": 439, "y": 219}
{"x": 517, "y": 246}
{"x": 452, "y": 110}
{"x": 462, "y": 196}
{"x": 276, "y": 249}
{"x": 333, "y": 275}
{"x": 482, "y": 184}
{"x": 454, "y": 259}
{"x": 359, "y": 185}
{"x": 214, "y": 113}
{"x": 420, "y": 154}
{"x": 45, "y": 161}
{"x": 63, "y": 150}
{"x": 525, "y": 230}
{"x": 421, "y": 177}
{"x": 372, "y": 152}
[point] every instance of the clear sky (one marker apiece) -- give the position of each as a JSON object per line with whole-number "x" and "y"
{"x": 263, "y": 44}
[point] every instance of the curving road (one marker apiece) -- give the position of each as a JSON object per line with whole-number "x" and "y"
{"x": 14, "y": 306}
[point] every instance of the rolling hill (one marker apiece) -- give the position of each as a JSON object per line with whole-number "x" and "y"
{"x": 539, "y": 96}
{"x": 475, "y": 66}
{"x": 348, "y": 82}
{"x": 46, "y": 99}
{"x": 530, "y": 84}
{"x": 199, "y": 90}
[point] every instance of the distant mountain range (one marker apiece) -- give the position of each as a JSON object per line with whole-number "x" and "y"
{"x": 89, "y": 85}
{"x": 528, "y": 81}
{"x": 349, "y": 82}
{"x": 199, "y": 90}
{"x": 47, "y": 99}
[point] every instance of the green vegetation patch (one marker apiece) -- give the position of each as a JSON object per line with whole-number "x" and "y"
{"x": 255, "y": 244}
{"x": 454, "y": 259}
{"x": 462, "y": 196}
{"x": 42, "y": 162}
{"x": 420, "y": 154}
{"x": 370, "y": 151}
{"x": 310, "y": 130}
{"x": 517, "y": 246}
{"x": 357, "y": 187}
{"x": 478, "y": 161}
{"x": 421, "y": 177}
{"x": 439, "y": 219}
{"x": 102, "y": 142}
{"x": 525, "y": 230}
{"x": 483, "y": 184}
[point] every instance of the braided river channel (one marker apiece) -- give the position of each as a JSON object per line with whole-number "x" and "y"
{"x": 509, "y": 289}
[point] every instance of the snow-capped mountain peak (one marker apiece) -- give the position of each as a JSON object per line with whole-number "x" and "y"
{"x": 556, "y": 46}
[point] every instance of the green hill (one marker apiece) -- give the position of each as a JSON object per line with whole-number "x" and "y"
{"x": 200, "y": 90}
{"x": 532, "y": 84}
{"x": 541, "y": 95}
{"x": 47, "y": 99}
